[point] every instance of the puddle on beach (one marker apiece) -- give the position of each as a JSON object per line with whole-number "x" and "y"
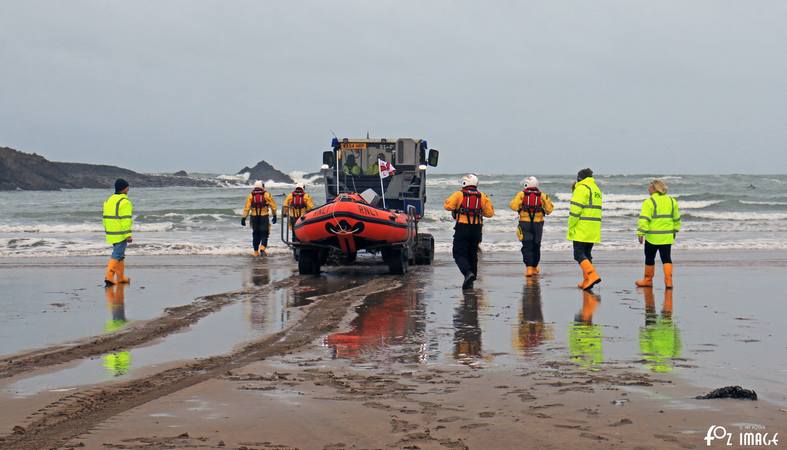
{"x": 217, "y": 333}
{"x": 709, "y": 334}
{"x": 53, "y": 301}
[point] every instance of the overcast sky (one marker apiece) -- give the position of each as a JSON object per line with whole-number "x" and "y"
{"x": 626, "y": 86}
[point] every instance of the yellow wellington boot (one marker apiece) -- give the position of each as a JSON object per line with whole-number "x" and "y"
{"x": 262, "y": 251}
{"x": 529, "y": 271}
{"x": 668, "y": 275}
{"x": 591, "y": 277}
{"x": 109, "y": 275}
{"x": 647, "y": 281}
{"x": 120, "y": 272}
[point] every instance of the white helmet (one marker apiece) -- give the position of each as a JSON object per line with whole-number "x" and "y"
{"x": 259, "y": 184}
{"x": 530, "y": 182}
{"x": 470, "y": 179}
{"x": 299, "y": 186}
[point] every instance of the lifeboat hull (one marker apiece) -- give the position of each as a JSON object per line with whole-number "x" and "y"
{"x": 351, "y": 224}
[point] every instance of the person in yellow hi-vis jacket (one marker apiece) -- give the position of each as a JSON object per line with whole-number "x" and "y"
{"x": 532, "y": 205}
{"x": 658, "y": 224}
{"x": 259, "y": 204}
{"x": 118, "y": 220}
{"x": 297, "y": 203}
{"x": 584, "y": 225}
{"x": 468, "y": 207}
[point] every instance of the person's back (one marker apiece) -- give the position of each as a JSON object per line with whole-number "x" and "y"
{"x": 532, "y": 205}
{"x": 468, "y": 206}
{"x": 584, "y": 225}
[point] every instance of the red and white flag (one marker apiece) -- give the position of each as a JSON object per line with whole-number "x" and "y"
{"x": 386, "y": 169}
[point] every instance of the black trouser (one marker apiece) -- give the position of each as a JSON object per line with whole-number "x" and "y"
{"x": 292, "y": 227}
{"x": 583, "y": 251}
{"x": 665, "y": 252}
{"x": 260, "y": 229}
{"x": 465, "y": 250}
{"x": 531, "y": 242}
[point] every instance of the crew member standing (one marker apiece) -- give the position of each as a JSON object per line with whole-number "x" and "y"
{"x": 659, "y": 222}
{"x": 297, "y": 203}
{"x": 584, "y": 225}
{"x": 468, "y": 206}
{"x": 117, "y": 226}
{"x": 532, "y": 205}
{"x": 259, "y": 204}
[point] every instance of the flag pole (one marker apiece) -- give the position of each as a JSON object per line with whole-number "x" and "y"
{"x": 382, "y": 188}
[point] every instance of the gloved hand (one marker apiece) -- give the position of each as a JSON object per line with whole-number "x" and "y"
{"x": 243, "y": 221}
{"x": 273, "y": 220}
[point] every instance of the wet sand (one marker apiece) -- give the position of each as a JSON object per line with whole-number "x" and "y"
{"x": 356, "y": 358}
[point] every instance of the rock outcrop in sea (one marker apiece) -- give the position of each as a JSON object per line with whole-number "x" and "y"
{"x": 266, "y": 172}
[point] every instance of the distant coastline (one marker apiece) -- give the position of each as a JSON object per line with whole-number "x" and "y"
{"x": 33, "y": 172}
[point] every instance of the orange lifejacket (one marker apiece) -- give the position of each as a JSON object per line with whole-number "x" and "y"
{"x": 471, "y": 205}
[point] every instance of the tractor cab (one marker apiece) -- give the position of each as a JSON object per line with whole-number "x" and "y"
{"x": 354, "y": 165}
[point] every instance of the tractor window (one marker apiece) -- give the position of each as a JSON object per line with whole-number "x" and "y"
{"x": 372, "y": 155}
{"x": 351, "y": 162}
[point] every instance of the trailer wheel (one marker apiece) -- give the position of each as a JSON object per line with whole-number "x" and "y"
{"x": 424, "y": 249}
{"x": 397, "y": 261}
{"x": 309, "y": 262}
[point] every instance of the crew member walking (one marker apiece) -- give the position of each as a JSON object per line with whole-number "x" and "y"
{"x": 468, "y": 206}
{"x": 297, "y": 203}
{"x": 584, "y": 225}
{"x": 659, "y": 222}
{"x": 117, "y": 226}
{"x": 259, "y": 204}
{"x": 532, "y": 205}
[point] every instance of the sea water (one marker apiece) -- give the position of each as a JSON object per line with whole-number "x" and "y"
{"x": 718, "y": 211}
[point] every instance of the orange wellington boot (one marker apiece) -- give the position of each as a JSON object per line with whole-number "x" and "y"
{"x": 263, "y": 251}
{"x": 666, "y": 308}
{"x": 592, "y": 277}
{"x": 668, "y": 275}
{"x": 109, "y": 275}
{"x": 529, "y": 271}
{"x": 536, "y": 270}
{"x": 120, "y": 272}
{"x": 647, "y": 281}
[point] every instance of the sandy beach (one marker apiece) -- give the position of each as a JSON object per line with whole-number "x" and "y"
{"x": 231, "y": 352}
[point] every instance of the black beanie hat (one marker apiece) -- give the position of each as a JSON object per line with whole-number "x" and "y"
{"x": 120, "y": 184}
{"x": 584, "y": 173}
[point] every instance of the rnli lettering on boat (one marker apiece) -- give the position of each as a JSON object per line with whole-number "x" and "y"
{"x": 367, "y": 211}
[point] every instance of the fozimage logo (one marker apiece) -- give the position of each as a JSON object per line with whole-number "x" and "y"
{"x": 747, "y": 437}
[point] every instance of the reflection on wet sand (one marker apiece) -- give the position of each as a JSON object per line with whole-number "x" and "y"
{"x": 467, "y": 332}
{"x": 117, "y": 363}
{"x": 659, "y": 339}
{"x": 532, "y": 331}
{"x": 382, "y": 319}
{"x": 584, "y": 337}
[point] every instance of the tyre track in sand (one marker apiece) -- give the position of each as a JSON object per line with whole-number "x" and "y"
{"x": 173, "y": 319}
{"x": 76, "y": 414}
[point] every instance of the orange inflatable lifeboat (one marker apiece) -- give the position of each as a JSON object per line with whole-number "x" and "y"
{"x": 350, "y": 223}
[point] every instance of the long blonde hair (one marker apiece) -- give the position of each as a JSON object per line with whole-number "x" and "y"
{"x": 659, "y": 186}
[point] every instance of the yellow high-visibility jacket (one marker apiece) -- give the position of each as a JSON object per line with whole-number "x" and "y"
{"x": 117, "y": 218}
{"x": 297, "y": 212}
{"x": 454, "y": 202}
{"x": 659, "y": 219}
{"x": 584, "y": 217}
{"x": 270, "y": 204}
{"x": 516, "y": 205}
